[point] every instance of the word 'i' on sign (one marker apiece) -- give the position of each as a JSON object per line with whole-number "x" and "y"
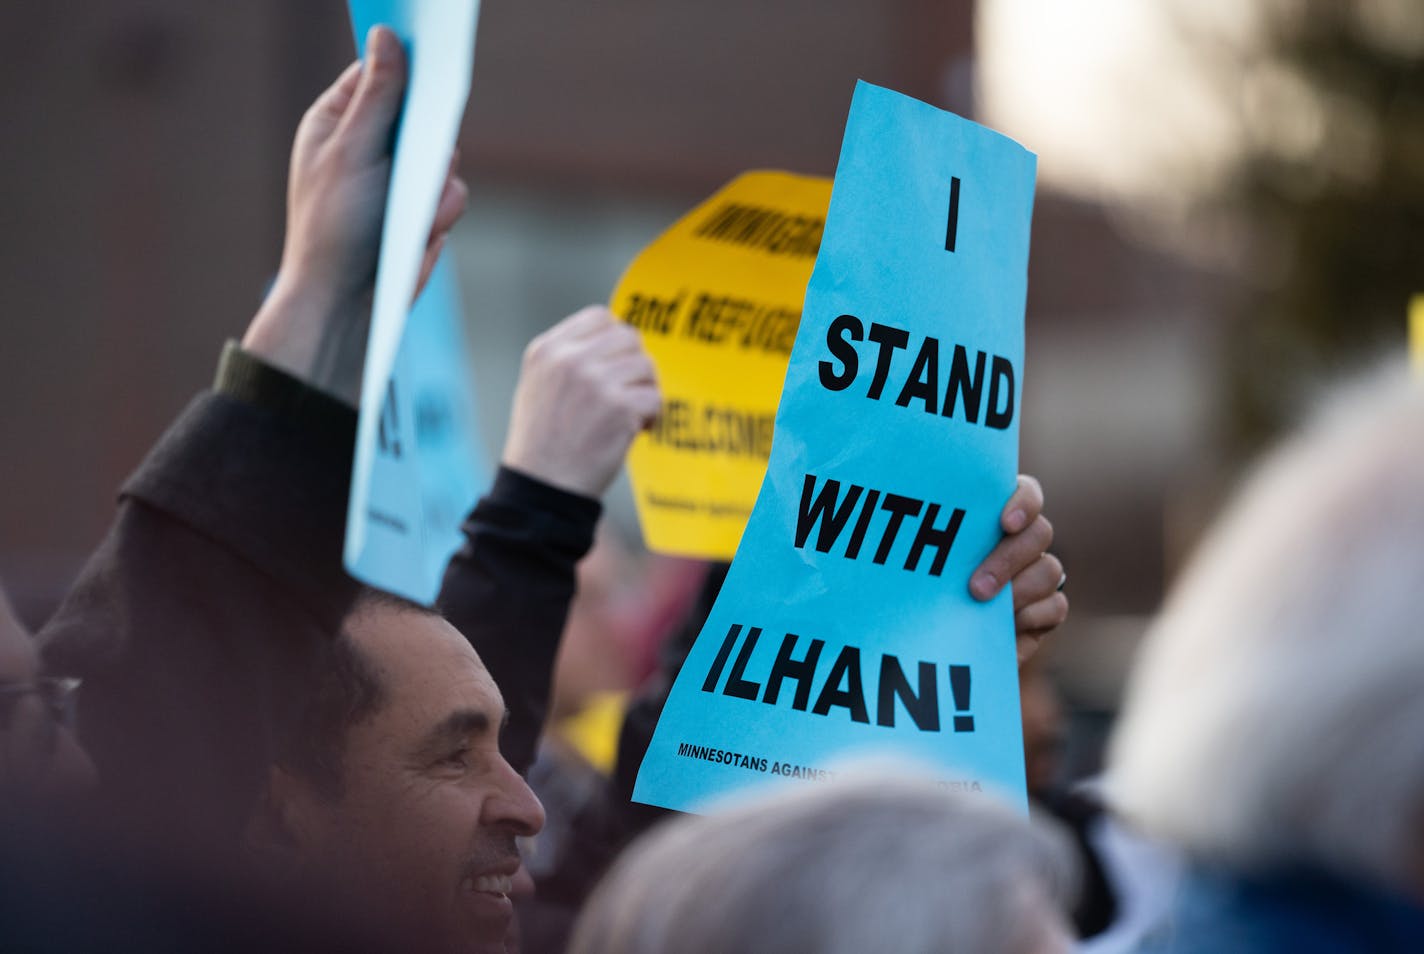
{"x": 951, "y": 231}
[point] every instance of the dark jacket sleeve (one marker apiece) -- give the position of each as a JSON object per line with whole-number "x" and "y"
{"x": 223, "y": 566}
{"x": 508, "y": 589}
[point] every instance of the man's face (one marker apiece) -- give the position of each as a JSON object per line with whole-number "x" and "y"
{"x": 424, "y": 828}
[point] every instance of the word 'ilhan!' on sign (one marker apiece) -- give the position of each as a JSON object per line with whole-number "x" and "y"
{"x": 842, "y": 684}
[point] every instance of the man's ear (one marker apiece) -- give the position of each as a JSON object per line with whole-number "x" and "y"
{"x": 287, "y": 823}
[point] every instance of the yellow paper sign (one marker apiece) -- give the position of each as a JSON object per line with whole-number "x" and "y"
{"x": 1416, "y": 334}
{"x": 718, "y": 299}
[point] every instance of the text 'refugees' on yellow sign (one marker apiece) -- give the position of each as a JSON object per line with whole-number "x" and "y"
{"x": 718, "y": 299}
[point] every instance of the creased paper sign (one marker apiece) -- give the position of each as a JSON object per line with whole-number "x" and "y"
{"x": 386, "y": 541}
{"x": 717, "y": 299}
{"x": 845, "y": 626}
{"x": 1416, "y": 334}
{"x": 432, "y": 466}
{"x": 434, "y": 369}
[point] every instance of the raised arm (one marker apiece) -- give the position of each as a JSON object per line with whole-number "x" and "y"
{"x": 586, "y": 388}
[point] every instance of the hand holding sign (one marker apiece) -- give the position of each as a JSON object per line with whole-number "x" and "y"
{"x": 313, "y": 323}
{"x": 844, "y": 624}
{"x": 1022, "y": 559}
{"x": 387, "y": 543}
{"x": 586, "y": 389}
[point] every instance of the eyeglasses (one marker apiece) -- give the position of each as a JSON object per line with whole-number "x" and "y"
{"x": 59, "y": 697}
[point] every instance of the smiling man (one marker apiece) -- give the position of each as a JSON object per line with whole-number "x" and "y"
{"x": 391, "y": 785}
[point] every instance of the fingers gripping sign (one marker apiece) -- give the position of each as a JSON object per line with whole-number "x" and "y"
{"x": 1021, "y": 559}
{"x": 586, "y": 389}
{"x": 846, "y": 623}
{"x": 366, "y": 223}
{"x": 385, "y": 538}
{"x": 315, "y": 321}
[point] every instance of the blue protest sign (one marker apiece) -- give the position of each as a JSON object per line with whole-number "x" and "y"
{"x": 454, "y": 467}
{"x": 386, "y": 541}
{"x": 431, "y": 467}
{"x": 845, "y": 626}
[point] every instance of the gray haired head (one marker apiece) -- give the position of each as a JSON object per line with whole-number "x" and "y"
{"x": 1276, "y": 715}
{"x": 867, "y": 864}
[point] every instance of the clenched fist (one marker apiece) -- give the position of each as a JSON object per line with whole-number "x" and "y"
{"x": 586, "y": 388}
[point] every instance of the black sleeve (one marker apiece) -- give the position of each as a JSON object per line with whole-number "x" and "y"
{"x": 509, "y": 589}
{"x": 223, "y": 560}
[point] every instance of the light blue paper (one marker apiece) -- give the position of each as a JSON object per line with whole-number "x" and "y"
{"x": 885, "y": 259}
{"x": 433, "y": 367}
{"x": 431, "y": 466}
{"x": 387, "y": 543}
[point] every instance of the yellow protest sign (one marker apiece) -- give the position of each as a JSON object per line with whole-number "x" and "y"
{"x": 1416, "y": 334}
{"x": 717, "y": 299}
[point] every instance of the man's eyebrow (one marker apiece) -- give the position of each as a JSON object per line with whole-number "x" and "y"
{"x": 459, "y": 724}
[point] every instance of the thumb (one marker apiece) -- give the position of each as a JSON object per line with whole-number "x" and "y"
{"x": 367, "y": 123}
{"x": 427, "y": 264}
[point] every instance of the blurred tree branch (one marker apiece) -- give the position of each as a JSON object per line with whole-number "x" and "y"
{"x": 1328, "y": 184}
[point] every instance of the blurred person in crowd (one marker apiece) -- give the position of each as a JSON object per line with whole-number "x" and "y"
{"x": 873, "y": 862}
{"x": 1044, "y": 735}
{"x": 1272, "y": 727}
{"x": 1125, "y": 881}
{"x": 629, "y": 602}
{"x": 1044, "y": 732}
{"x": 40, "y": 758}
{"x": 65, "y": 886}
